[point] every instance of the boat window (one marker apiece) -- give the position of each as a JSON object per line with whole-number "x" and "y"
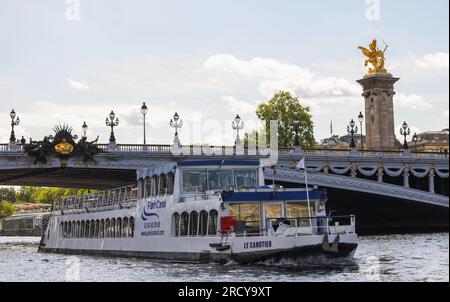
{"x": 193, "y": 223}
{"x": 220, "y": 179}
{"x": 107, "y": 228}
{"x": 119, "y": 227}
{"x": 194, "y": 181}
{"x": 176, "y": 224}
{"x": 247, "y": 216}
{"x": 184, "y": 224}
{"x": 148, "y": 187}
{"x": 162, "y": 184}
{"x": 131, "y": 226}
{"x": 102, "y": 228}
{"x": 113, "y": 228}
{"x": 212, "y": 227}
{"x": 295, "y": 209}
{"x": 203, "y": 223}
{"x": 78, "y": 229}
{"x": 125, "y": 227}
{"x": 170, "y": 180}
{"x": 154, "y": 184}
{"x": 272, "y": 210}
{"x": 82, "y": 229}
{"x": 245, "y": 179}
{"x": 91, "y": 229}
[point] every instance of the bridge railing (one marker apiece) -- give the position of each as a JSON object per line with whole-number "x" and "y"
{"x": 231, "y": 150}
{"x": 124, "y": 197}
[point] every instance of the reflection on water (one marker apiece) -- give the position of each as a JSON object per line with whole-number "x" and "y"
{"x": 422, "y": 257}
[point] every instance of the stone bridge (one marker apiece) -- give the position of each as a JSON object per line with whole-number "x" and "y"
{"x": 369, "y": 184}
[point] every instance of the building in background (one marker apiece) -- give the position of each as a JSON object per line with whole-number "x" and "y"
{"x": 431, "y": 141}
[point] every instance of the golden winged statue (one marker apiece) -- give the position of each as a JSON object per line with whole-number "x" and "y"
{"x": 375, "y": 57}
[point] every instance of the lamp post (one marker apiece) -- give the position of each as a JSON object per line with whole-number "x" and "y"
{"x": 85, "y": 129}
{"x": 112, "y": 121}
{"x": 15, "y": 121}
{"x": 176, "y": 123}
{"x": 352, "y": 129}
{"x": 415, "y": 138}
{"x": 237, "y": 125}
{"x": 361, "y": 120}
{"x": 405, "y": 131}
{"x": 144, "y": 111}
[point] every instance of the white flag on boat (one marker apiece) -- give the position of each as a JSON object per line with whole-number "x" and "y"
{"x": 301, "y": 164}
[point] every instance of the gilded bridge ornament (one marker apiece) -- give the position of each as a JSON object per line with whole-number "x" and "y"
{"x": 375, "y": 58}
{"x": 62, "y": 145}
{"x": 64, "y": 148}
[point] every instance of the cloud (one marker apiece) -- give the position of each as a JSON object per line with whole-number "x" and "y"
{"x": 437, "y": 60}
{"x": 412, "y": 101}
{"x": 77, "y": 85}
{"x": 240, "y": 107}
{"x": 272, "y": 76}
{"x": 445, "y": 113}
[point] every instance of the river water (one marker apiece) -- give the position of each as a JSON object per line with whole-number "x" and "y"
{"x": 418, "y": 257}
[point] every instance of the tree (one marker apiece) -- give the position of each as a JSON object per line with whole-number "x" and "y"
{"x": 6, "y": 208}
{"x": 8, "y": 194}
{"x": 295, "y": 124}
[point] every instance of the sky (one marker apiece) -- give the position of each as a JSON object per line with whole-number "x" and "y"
{"x": 70, "y": 61}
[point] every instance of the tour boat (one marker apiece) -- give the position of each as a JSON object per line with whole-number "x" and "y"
{"x": 201, "y": 211}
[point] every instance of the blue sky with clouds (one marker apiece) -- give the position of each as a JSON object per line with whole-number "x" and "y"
{"x": 209, "y": 60}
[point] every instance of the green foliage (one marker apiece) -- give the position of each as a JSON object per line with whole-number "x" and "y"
{"x": 37, "y": 194}
{"x": 295, "y": 124}
{"x": 6, "y": 208}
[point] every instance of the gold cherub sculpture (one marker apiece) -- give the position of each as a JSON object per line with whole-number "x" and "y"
{"x": 375, "y": 57}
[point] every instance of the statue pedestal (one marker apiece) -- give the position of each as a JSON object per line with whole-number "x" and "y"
{"x": 378, "y": 93}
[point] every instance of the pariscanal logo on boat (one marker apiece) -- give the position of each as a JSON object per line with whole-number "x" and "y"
{"x": 257, "y": 244}
{"x": 152, "y": 224}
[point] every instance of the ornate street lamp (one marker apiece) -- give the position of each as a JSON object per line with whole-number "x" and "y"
{"x": 176, "y": 123}
{"x": 352, "y": 129}
{"x": 112, "y": 121}
{"x": 15, "y": 121}
{"x": 85, "y": 129}
{"x": 237, "y": 125}
{"x": 405, "y": 131}
{"x": 361, "y": 120}
{"x": 144, "y": 111}
{"x": 415, "y": 138}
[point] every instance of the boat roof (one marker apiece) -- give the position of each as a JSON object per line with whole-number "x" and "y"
{"x": 155, "y": 170}
{"x": 218, "y": 162}
{"x": 169, "y": 167}
{"x": 286, "y": 195}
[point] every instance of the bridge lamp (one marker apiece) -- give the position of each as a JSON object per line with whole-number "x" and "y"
{"x": 237, "y": 125}
{"x": 361, "y": 120}
{"x": 85, "y": 129}
{"x": 405, "y": 131}
{"x": 15, "y": 121}
{"x": 112, "y": 122}
{"x": 352, "y": 129}
{"x": 176, "y": 123}
{"x": 415, "y": 138}
{"x": 144, "y": 111}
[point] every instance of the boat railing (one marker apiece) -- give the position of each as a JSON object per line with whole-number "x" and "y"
{"x": 316, "y": 225}
{"x": 120, "y": 198}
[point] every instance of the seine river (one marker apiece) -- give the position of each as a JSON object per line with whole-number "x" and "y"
{"x": 419, "y": 257}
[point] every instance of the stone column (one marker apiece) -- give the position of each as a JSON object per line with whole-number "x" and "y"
{"x": 380, "y": 174}
{"x": 431, "y": 180}
{"x": 406, "y": 178}
{"x": 378, "y": 93}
